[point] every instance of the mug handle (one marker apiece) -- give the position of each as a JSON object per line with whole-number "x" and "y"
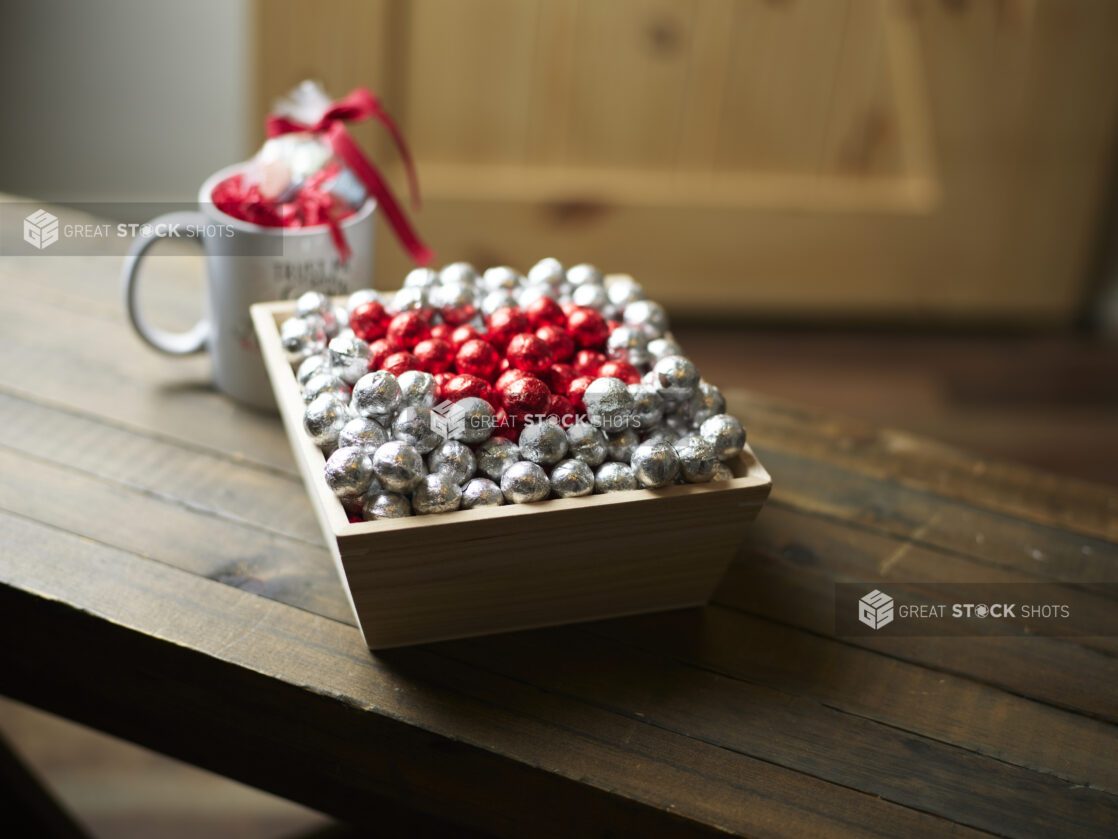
{"x": 172, "y": 343}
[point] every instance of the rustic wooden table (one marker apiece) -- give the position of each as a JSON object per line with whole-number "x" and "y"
{"x": 163, "y": 579}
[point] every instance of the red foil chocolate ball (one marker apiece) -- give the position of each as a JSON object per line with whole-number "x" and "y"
{"x": 443, "y": 331}
{"x": 478, "y": 358}
{"x": 369, "y": 321}
{"x": 561, "y": 408}
{"x": 527, "y": 396}
{"x": 440, "y": 384}
{"x": 620, "y": 370}
{"x": 588, "y": 362}
{"x": 503, "y": 324}
{"x": 462, "y": 334}
{"x": 558, "y": 379}
{"x": 408, "y": 328}
{"x": 544, "y": 311}
{"x": 587, "y": 327}
{"x": 507, "y": 378}
{"x": 379, "y": 350}
{"x": 434, "y": 355}
{"x": 577, "y": 389}
{"x": 529, "y": 353}
{"x": 561, "y": 344}
{"x": 463, "y": 385}
{"x": 400, "y": 362}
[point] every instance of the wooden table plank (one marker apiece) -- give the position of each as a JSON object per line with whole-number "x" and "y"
{"x": 445, "y": 738}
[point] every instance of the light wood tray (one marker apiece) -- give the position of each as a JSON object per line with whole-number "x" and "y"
{"x": 518, "y": 566}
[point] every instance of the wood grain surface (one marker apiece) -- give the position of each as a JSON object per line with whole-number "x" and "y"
{"x": 163, "y": 579}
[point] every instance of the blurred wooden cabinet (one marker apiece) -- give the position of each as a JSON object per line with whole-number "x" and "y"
{"x": 862, "y": 158}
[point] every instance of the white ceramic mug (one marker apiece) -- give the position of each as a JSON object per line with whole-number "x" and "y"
{"x": 248, "y": 264}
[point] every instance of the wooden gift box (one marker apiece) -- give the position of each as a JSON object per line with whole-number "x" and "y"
{"x": 495, "y": 569}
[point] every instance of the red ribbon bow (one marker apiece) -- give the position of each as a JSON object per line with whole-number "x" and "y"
{"x": 360, "y": 104}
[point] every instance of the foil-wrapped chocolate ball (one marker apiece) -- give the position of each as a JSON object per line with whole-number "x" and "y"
{"x": 501, "y": 277}
{"x": 497, "y": 299}
{"x": 414, "y": 427}
{"x": 453, "y": 457}
{"x": 386, "y": 505}
{"x": 398, "y": 466}
{"x": 628, "y": 343}
{"x": 417, "y": 388}
{"x": 721, "y": 472}
{"x": 311, "y": 366}
{"x": 477, "y": 420}
{"x": 455, "y": 301}
{"x": 622, "y": 445}
{"x": 481, "y": 492}
{"x": 624, "y": 291}
{"x": 324, "y": 418}
{"x": 678, "y": 422}
{"x": 725, "y": 433}
{"x": 591, "y": 295}
{"x": 302, "y": 338}
{"x": 572, "y": 478}
{"x": 531, "y": 293}
{"x": 495, "y": 456}
{"x": 648, "y": 407}
{"x": 410, "y": 299}
{"x": 663, "y": 347}
{"x": 587, "y": 443}
{"x": 608, "y": 404}
{"x": 377, "y": 395}
{"x": 325, "y": 382}
{"x": 436, "y": 493}
{"x": 655, "y": 463}
{"x": 707, "y": 401}
{"x": 312, "y": 303}
{"x": 364, "y": 432}
{"x": 359, "y": 298}
{"x": 648, "y": 316}
{"x": 421, "y": 278}
{"x": 661, "y": 433}
{"x": 525, "y": 482}
{"x": 676, "y": 378}
{"x": 459, "y": 273}
{"x": 696, "y": 459}
{"x": 350, "y": 355}
{"x": 613, "y": 477}
{"x": 349, "y": 471}
{"x": 584, "y": 274}
{"x": 547, "y": 271}
{"x": 543, "y": 442}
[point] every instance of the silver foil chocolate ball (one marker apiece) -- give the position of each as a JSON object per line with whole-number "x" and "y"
{"x": 584, "y": 274}
{"x": 548, "y": 271}
{"x": 385, "y": 505}
{"x": 497, "y": 299}
{"x": 477, "y": 420}
{"x": 377, "y": 395}
{"x": 349, "y": 471}
{"x": 531, "y": 293}
{"x": 326, "y": 382}
{"x": 311, "y": 366}
{"x": 609, "y": 404}
{"x": 648, "y": 407}
{"x": 481, "y": 492}
{"x": 438, "y": 492}
{"x": 398, "y": 466}
{"x": 655, "y": 463}
{"x": 454, "y": 458}
{"x": 501, "y": 277}
{"x": 412, "y": 297}
{"x": 612, "y": 477}
{"x": 324, "y": 418}
{"x": 312, "y": 303}
{"x": 413, "y": 426}
{"x": 590, "y": 295}
{"x": 725, "y": 433}
{"x": 495, "y": 456}
{"x": 707, "y": 401}
{"x": 676, "y": 378}
{"x": 622, "y": 445}
{"x": 648, "y": 316}
{"x": 572, "y": 478}
{"x": 459, "y": 273}
{"x": 663, "y": 347}
{"x": 696, "y": 459}
{"x": 302, "y": 338}
{"x": 624, "y": 291}
{"x": 421, "y": 278}
{"x": 628, "y": 343}
{"x": 525, "y": 482}
{"x": 453, "y": 296}
{"x": 721, "y": 472}
{"x": 364, "y": 432}
{"x": 351, "y": 356}
{"x": 417, "y": 388}
{"x": 543, "y": 442}
{"x": 587, "y": 443}
{"x": 359, "y": 298}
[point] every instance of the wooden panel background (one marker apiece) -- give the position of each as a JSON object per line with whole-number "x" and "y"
{"x": 902, "y": 158}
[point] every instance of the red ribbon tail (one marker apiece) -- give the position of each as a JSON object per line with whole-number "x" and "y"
{"x": 343, "y": 248}
{"x": 351, "y": 153}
